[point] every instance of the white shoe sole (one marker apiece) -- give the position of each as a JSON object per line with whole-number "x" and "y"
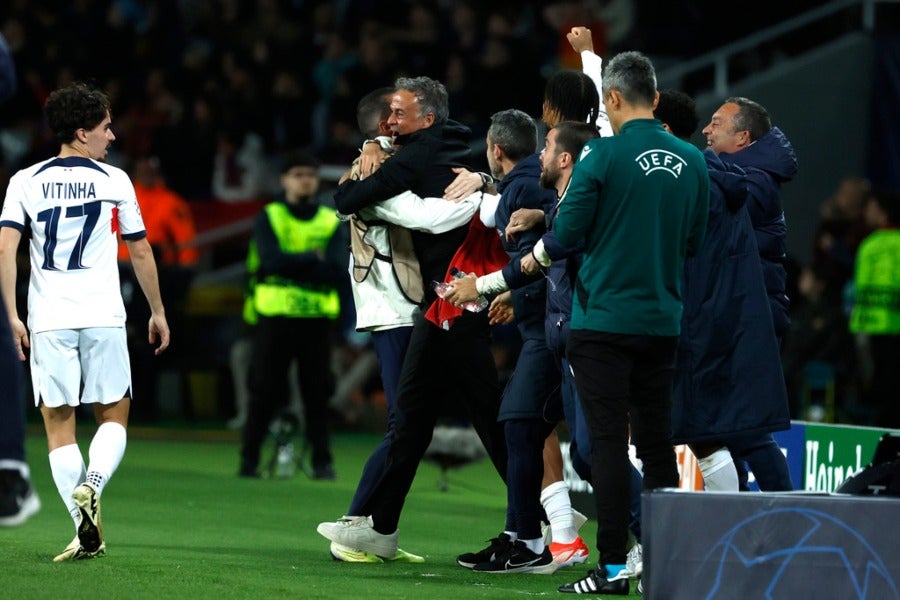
{"x": 575, "y": 559}
{"x": 363, "y": 540}
{"x": 351, "y": 555}
{"x": 74, "y": 551}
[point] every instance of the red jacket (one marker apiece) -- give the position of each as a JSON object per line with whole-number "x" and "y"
{"x": 480, "y": 253}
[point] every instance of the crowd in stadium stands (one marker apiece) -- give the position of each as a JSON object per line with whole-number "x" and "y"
{"x": 210, "y": 87}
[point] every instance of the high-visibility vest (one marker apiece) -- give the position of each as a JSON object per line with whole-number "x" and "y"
{"x": 876, "y": 305}
{"x": 278, "y": 296}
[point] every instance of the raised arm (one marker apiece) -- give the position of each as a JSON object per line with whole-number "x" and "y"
{"x": 592, "y": 66}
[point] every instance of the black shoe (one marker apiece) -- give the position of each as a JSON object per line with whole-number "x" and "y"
{"x": 519, "y": 559}
{"x": 498, "y": 545}
{"x": 596, "y": 582}
{"x": 249, "y": 472}
{"x": 18, "y": 500}
{"x": 325, "y": 473}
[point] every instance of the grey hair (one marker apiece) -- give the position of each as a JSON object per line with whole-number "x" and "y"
{"x": 430, "y": 94}
{"x": 632, "y": 75}
{"x": 751, "y": 117}
{"x": 515, "y": 132}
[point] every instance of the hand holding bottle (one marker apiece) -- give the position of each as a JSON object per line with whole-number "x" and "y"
{"x": 461, "y": 292}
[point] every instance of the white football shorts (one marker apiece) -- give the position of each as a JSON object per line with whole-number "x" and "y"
{"x": 64, "y": 359}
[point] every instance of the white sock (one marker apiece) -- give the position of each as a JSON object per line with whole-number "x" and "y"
{"x": 719, "y": 473}
{"x": 513, "y": 536}
{"x": 535, "y": 545}
{"x": 558, "y": 506}
{"x": 105, "y": 454}
{"x": 67, "y": 467}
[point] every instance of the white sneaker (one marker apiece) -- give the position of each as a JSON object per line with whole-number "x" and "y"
{"x": 634, "y": 560}
{"x": 90, "y": 531}
{"x": 359, "y": 533}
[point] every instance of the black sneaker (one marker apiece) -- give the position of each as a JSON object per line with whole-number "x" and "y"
{"x": 18, "y": 500}
{"x": 324, "y": 473}
{"x": 600, "y": 581}
{"x": 496, "y": 546}
{"x": 519, "y": 559}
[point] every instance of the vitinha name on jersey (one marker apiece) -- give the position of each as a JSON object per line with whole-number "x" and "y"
{"x": 69, "y": 190}
{"x": 658, "y": 159}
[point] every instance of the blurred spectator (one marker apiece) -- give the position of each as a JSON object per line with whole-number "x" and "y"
{"x": 562, "y": 16}
{"x": 818, "y": 333}
{"x": 189, "y": 148}
{"x": 171, "y": 233}
{"x": 240, "y": 170}
{"x": 875, "y": 317}
{"x": 841, "y": 228}
{"x": 376, "y": 66}
{"x": 167, "y": 216}
{"x": 326, "y": 73}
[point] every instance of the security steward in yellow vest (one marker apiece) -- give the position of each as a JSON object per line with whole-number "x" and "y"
{"x": 876, "y": 310}
{"x": 296, "y": 265}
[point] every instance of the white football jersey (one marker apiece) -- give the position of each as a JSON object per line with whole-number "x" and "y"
{"x": 74, "y": 207}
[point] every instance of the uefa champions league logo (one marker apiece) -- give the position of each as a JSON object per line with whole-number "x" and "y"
{"x": 785, "y": 548}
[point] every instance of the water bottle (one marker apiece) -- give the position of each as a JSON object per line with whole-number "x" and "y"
{"x": 477, "y": 305}
{"x": 284, "y": 462}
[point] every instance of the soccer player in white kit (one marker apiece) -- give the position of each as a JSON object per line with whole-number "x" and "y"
{"x": 73, "y": 205}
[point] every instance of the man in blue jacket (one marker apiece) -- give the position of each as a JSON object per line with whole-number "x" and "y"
{"x": 728, "y": 375}
{"x": 741, "y": 133}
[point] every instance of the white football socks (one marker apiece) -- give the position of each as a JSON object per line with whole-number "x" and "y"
{"x": 105, "y": 454}
{"x": 558, "y": 506}
{"x": 719, "y": 472}
{"x": 67, "y": 467}
{"x": 536, "y": 545}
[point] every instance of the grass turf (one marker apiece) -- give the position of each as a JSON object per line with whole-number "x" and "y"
{"x": 179, "y": 523}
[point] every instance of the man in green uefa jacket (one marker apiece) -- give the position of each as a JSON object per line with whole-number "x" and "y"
{"x": 639, "y": 203}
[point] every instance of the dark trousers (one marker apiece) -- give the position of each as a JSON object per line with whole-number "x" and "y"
{"x": 882, "y": 393}
{"x": 525, "y": 446}
{"x": 618, "y": 376}
{"x": 456, "y": 365}
{"x": 764, "y": 458}
{"x": 580, "y": 446}
{"x": 12, "y": 404}
{"x": 390, "y": 348}
{"x": 278, "y": 341}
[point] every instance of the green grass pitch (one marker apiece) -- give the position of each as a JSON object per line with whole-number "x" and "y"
{"x": 179, "y": 523}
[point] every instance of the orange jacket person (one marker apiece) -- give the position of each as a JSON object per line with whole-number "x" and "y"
{"x": 167, "y": 217}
